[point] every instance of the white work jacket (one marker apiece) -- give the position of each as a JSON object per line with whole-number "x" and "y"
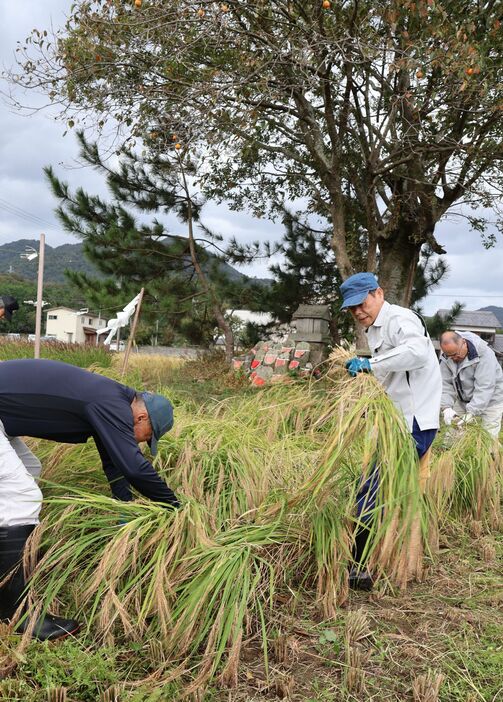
{"x": 404, "y": 361}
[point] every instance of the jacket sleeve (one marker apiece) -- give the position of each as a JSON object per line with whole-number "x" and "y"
{"x": 117, "y": 443}
{"x": 484, "y": 382}
{"x": 448, "y": 390}
{"x": 411, "y": 347}
{"x": 120, "y": 487}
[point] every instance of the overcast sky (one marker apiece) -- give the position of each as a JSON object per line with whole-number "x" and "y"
{"x": 26, "y": 205}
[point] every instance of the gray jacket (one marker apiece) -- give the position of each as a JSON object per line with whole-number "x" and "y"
{"x": 477, "y": 381}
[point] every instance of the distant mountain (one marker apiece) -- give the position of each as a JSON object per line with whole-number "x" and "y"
{"x": 497, "y": 312}
{"x": 57, "y": 260}
{"x": 71, "y": 257}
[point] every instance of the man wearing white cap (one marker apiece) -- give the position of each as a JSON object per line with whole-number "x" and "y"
{"x": 404, "y": 361}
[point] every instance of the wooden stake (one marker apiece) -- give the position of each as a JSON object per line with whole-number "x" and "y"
{"x": 131, "y": 334}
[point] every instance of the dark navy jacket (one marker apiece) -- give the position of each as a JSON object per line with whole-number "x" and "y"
{"x": 57, "y": 401}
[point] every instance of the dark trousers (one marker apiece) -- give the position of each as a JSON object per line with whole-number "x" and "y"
{"x": 367, "y": 494}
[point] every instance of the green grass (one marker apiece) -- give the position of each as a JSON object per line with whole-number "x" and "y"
{"x": 75, "y": 354}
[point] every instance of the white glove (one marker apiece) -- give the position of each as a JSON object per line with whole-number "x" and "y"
{"x": 449, "y": 415}
{"x": 466, "y": 419}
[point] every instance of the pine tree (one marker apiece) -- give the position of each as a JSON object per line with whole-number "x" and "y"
{"x": 181, "y": 274}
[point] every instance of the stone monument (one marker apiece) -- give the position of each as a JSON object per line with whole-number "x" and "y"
{"x": 305, "y": 348}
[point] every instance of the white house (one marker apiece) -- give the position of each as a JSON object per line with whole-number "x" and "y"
{"x": 73, "y": 326}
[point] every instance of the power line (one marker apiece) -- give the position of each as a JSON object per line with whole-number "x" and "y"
{"x": 24, "y": 214}
{"x": 499, "y": 297}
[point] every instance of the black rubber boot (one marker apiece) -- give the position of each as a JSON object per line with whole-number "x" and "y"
{"x": 12, "y": 543}
{"x": 359, "y": 576}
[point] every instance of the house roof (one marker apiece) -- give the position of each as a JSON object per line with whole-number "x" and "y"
{"x": 60, "y": 307}
{"x": 477, "y": 318}
{"x": 70, "y": 309}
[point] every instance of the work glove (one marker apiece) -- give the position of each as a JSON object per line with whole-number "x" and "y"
{"x": 467, "y": 418}
{"x": 358, "y": 365}
{"x": 449, "y": 415}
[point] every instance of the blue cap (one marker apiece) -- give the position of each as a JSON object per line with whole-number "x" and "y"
{"x": 160, "y": 412}
{"x": 355, "y": 289}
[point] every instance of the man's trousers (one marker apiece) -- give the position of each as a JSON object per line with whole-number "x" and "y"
{"x": 366, "y": 497}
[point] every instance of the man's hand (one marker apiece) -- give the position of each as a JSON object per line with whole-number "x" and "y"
{"x": 449, "y": 415}
{"x": 358, "y": 365}
{"x": 467, "y": 418}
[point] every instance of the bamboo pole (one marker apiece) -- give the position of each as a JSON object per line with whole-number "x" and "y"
{"x": 40, "y": 285}
{"x": 131, "y": 334}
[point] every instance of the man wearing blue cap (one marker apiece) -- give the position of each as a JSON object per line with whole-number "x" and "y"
{"x": 404, "y": 361}
{"x": 60, "y": 402}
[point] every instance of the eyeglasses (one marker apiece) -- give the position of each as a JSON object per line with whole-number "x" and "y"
{"x": 455, "y": 353}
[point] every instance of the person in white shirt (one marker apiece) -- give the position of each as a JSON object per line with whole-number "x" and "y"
{"x": 472, "y": 381}
{"x": 404, "y": 361}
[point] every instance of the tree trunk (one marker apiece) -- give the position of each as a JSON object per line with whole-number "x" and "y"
{"x": 398, "y": 259}
{"x": 218, "y": 311}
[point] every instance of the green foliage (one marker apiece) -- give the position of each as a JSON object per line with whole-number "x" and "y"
{"x": 308, "y": 275}
{"x": 430, "y": 272}
{"x": 80, "y": 355}
{"x": 184, "y": 280}
{"x": 70, "y": 664}
{"x": 23, "y": 321}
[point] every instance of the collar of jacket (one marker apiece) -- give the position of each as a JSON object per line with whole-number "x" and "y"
{"x": 472, "y": 351}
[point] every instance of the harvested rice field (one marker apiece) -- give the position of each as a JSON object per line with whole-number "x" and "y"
{"x": 242, "y": 593}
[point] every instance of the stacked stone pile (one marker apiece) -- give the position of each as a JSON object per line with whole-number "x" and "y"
{"x": 273, "y": 362}
{"x": 305, "y": 348}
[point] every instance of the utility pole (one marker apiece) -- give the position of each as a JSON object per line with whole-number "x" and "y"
{"x": 40, "y": 285}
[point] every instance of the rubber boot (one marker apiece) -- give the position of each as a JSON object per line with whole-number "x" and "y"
{"x": 12, "y": 543}
{"x": 359, "y": 576}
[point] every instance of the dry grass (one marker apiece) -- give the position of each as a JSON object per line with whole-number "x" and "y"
{"x": 152, "y": 369}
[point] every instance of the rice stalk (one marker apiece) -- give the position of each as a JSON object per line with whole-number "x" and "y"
{"x": 426, "y": 688}
{"x": 357, "y": 627}
{"x": 330, "y": 541}
{"x": 112, "y": 694}
{"x": 57, "y": 694}
{"x": 478, "y": 475}
{"x": 442, "y": 480}
{"x": 354, "y": 673}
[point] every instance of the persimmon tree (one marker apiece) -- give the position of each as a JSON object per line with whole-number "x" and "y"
{"x": 398, "y": 103}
